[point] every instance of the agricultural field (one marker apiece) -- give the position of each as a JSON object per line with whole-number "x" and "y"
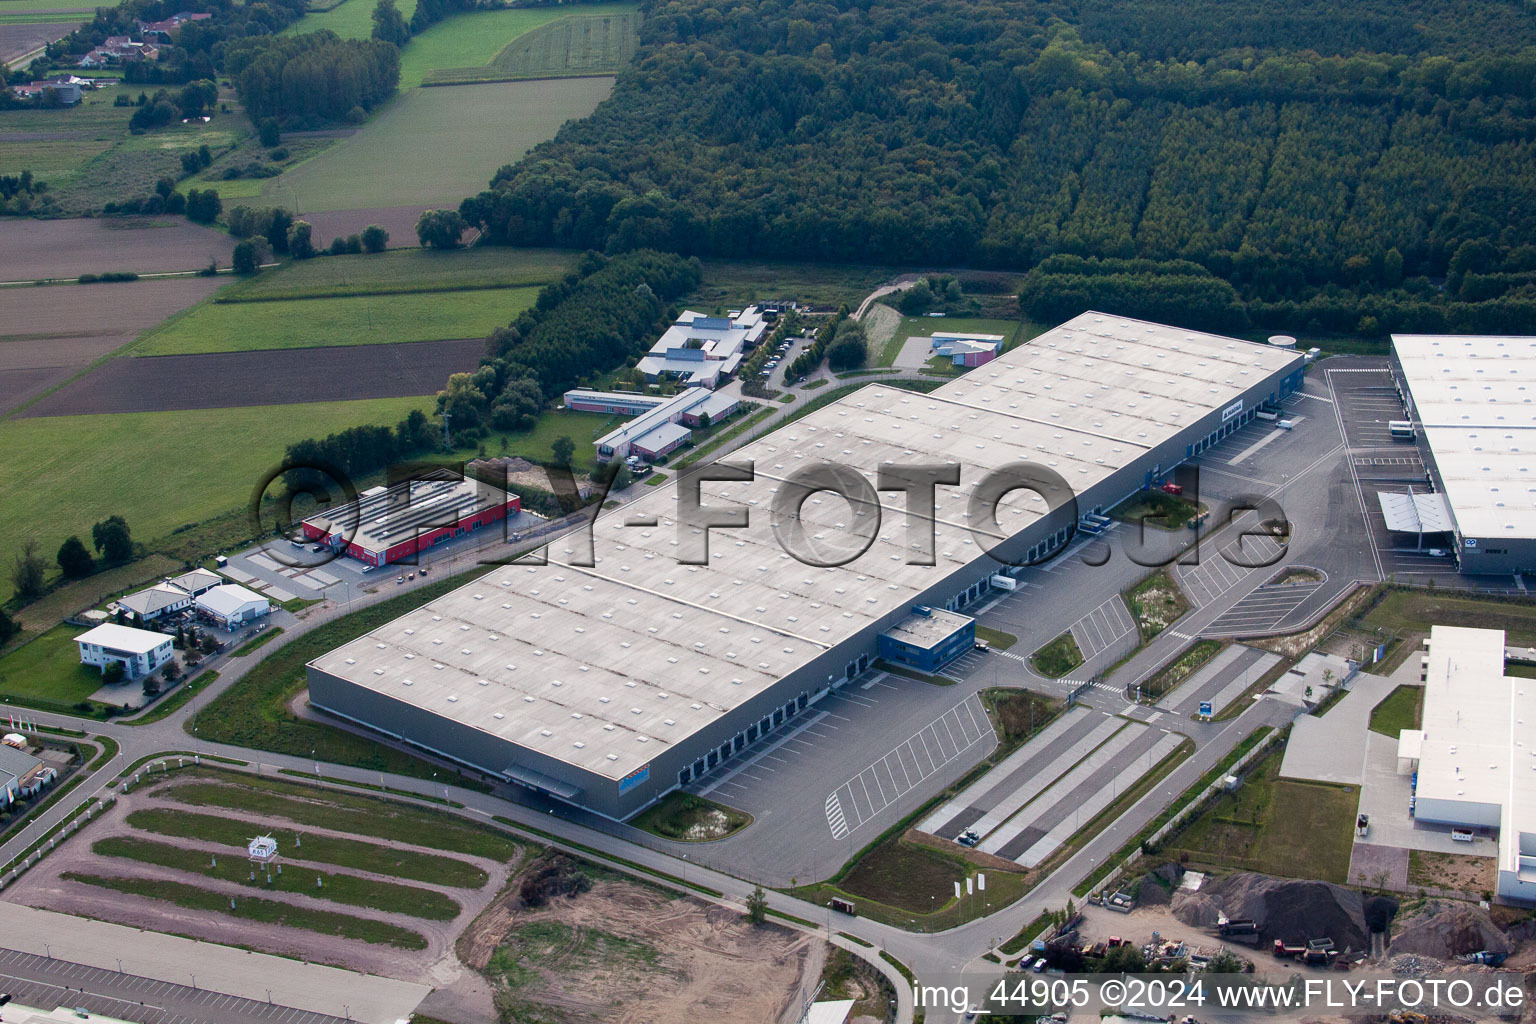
{"x": 209, "y": 459}
{"x": 404, "y": 270}
{"x": 363, "y": 882}
{"x": 338, "y": 320}
{"x": 580, "y": 44}
{"x": 220, "y": 380}
{"x": 21, "y": 35}
{"x": 49, "y": 333}
{"x": 38, "y": 250}
{"x": 477, "y": 38}
{"x": 432, "y": 147}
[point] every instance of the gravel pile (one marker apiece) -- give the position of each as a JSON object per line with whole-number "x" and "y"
{"x": 1292, "y": 910}
{"x": 1446, "y": 930}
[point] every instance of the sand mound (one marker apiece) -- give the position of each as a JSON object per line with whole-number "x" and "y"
{"x": 1446, "y": 930}
{"x": 1292, "y": 910}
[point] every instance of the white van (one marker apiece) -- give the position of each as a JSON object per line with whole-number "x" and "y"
{"x": 1285, "y": 424}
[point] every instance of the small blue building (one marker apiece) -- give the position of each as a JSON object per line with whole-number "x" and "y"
{"x": 928, "y": 639}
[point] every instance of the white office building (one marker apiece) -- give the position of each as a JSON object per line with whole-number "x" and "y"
{"x": 232, "y": 605}
{"x": 139, "y": 651}
{"x": 1476, "y": 749}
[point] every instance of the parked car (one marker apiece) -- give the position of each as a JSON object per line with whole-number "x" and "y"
{"x": 968, "y": 838}
{"x": 399, "y": 579}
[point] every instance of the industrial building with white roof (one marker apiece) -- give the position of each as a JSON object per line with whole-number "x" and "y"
{"x": 1474, "y": 400}
{"x": 612, "y": 684}
{"x": 1474, "y": 751}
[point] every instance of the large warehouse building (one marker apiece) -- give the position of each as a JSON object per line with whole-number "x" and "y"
{"x": 609, "y": 686}
{"x": 1474, "y": 401}
{"x": 1474, "y": 751}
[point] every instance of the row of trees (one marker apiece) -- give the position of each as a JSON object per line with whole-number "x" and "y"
{"x": 356, "y": 452}
{"x": 814, "y": 353}
{"x": 1187, "y": 294}
{"x": 112, "y": 539}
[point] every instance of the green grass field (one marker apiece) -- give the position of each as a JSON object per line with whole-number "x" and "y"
{"x": 1398, "y": 710}
{"x": 404, "y": 270}
{"x": 252, "y": 908}
{"x": 1419, "y": 610}
{"x": 169, "y": 468}
{"x": 579, "y": 44}
{"x": 1275, "y": 826}
{"x": 731, "y": 284}
{"x": 47, "y": 670}
{"x": 350, "y": 19}
{"x": 349, "y": 853}
{"x": 336, "y": 887}
{"x": 8, "y": 7}
{"x": 345, "y": 320}
{"x": 435, "y": 146}
{"x": 476, "y": 38}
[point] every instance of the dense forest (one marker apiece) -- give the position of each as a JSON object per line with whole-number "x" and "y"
{"x": 1369, "y": 146}
{"x": 313, "y": 77}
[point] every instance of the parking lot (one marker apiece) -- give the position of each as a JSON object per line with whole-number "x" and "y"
{"x": 1025, "y": 809}
{"x": 1367, "y": 402}
{"x": 847, "y": 768}
{"x": 46, "y": 983}
{"x": 1109, "y": 627}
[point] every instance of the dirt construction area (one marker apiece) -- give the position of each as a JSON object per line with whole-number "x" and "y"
{"x": 51, "y": 332}
{"x": 265, "y": 377}
{"x": 625, "y": 953}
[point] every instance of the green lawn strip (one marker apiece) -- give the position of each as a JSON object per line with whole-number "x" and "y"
{"x": 687, "y": 818}
{"x": 1221, "y": 768}
{"x": 1522, "y": 670}
{"x": 338, "y": 320}
{"x": 369, "y": 893}
{"x": 1027, "y": 934}
{"x": 1156, "y": 603}
{"x": 1404, "y": 609}
{"x": 1058, "y": 657}
{"x": 370, "y": 786}
{"x": 251, "y": 908}
{"x": 255, "y": 713}
{"x": 996, "y": 638}
{"x": 353, "y": 813}
{"x": 1398, "y": 710}
{"x": 398, "y": 271}
{"x": 819, "y": 382}
{"x": 1158, "y": 510}
{"x": 724, "y": 437}
{"x": 347, "y": 853}
{"x": 1179, "y": 669}
{"x": 108, "y": 750}
{"x": 176, "y": 699}
{"x": 901, "y": 968}
{"x": 164, "y": 758}
{"x": 252, "y": 645}
{"x": 1276, "y": 826}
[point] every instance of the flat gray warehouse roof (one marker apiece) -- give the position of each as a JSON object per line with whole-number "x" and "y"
{"x": 599, "y": 667}
{"x": 1476, "y": 397}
